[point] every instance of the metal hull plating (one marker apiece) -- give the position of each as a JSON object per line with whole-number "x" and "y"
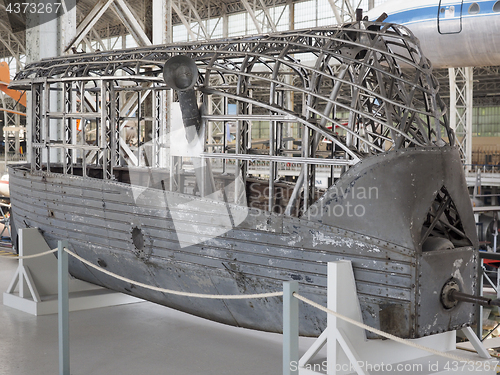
{"x": 398, "y": 284}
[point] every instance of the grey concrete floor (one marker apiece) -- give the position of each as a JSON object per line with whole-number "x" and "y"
{"x": 136, "y": 339}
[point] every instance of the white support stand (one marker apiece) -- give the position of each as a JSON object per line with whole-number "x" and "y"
{"x": 350, "y": 352}
{"x": 36, "y": 282}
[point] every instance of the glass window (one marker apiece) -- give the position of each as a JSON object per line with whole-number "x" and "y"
{"x": 281, "y": 17}
{"x": 237, "y": 24}
{"x": 474, "y": 8}
{"x": 215, "y": 28}
{"x": 485, "y": 120}
{"x": 305, "y": 14}
{"x": 180, "y": 33}
{"x": 496, "y": 7}
{"x": 130, "y": 41}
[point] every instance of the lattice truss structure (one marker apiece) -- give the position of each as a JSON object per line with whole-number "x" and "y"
{"x": 12, "y": 129}
{"x": 11, "y": 137}
{"x": 90, "y": 128}
{"x": 461, "y": 112}
{"x": 297, "y": 80}
{"x": 14, "y": 43}
{"x": 104, "y": 24}
{"x": 203, "y": 18}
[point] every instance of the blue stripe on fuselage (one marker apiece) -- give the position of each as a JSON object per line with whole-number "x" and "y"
{"x": 430, "y": 13}
{"x": 413, "y": 15}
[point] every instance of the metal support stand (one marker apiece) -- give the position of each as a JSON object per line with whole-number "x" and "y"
{"x": 37, "y": 285}
{"x": 63, "y": 307}
{"x": 350, "y": 352}
{"x": 495, "y": 231}
{"x": 5, "y": 219}
{"x": 290, "y": 328}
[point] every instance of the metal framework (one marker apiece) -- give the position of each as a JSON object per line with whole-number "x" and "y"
{"x": 461, "y": 109}
{"x": 344, "y": 84}
{"x": 13, "y": 129}
{"x": 104, "y": 19}
{"x": 356, "y": 102}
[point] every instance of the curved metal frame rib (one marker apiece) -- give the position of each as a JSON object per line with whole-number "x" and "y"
{"x": 386, "y": 86}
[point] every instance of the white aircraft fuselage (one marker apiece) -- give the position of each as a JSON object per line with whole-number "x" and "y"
{"x": 452, "y": 33}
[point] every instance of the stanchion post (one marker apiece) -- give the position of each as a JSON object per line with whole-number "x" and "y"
{"x": 63, "y": 308}
{"x": 290, "y": 328}
{"x": 479, "y": 308}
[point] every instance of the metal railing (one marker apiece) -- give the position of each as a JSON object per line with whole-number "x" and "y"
{"x": 484, "y": 168}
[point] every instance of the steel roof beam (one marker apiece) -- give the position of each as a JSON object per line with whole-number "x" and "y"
{"x": 183, "y": 19}
{"x": 11, "y": 50}
{"x": 98, "y": 39}
{"x": 131, "y": 23}
{"x": 268, "y": 16}
{"x": 333, "y": 5}
{"x": 198, "y": 19}
{"x": 88, "y": 22}
{"x": 88, "y": 42}
{"x": 13, "y": 37}
{"x": 343, "y": 10}
{"x": 252, "y": 15}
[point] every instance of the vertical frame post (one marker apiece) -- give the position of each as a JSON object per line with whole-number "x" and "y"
{"x": 68, "y": 128}
{"x": 45, "y": 118}
{"x": 306, "y": 147}
{"x": 139, "y": 118}
{"x": 272, "y": 165}
{"x": 63, "y": 307}
{"x": 108, "y": 135}
{"x": 479, "y": 308}
{"x": 290, "y": 328}
{"x": 36, "y": 135}
{"x": 157, "y": 133}
{"x": 225, "y": 131}
{"x": 115, "y": 128}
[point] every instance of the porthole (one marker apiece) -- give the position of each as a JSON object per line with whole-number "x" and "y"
{"x": 137, "y": 238}
{"x": 143, "y": 244}
{"x": 496, "y": 7}
{"x": 474, "y": 8}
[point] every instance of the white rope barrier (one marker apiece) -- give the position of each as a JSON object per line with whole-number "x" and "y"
{"x": 176, "y": 292}
{"x": 252, "y": 296}
{"x": 14, "y": 256}
{"x": 382, "y": 333}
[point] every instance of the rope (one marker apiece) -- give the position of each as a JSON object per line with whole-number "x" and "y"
{"x": 382, "y": 333}
{"x": 13, "y": 256}
{"x": 251, "y": 296}
{"x": 169, "y": 291}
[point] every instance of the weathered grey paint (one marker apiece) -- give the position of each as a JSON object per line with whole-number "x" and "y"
{"x": 396, "y": 282}
{"x": 400, "y": 210}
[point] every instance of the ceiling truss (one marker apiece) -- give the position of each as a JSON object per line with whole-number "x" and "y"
{"x": 111, "y": 18}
